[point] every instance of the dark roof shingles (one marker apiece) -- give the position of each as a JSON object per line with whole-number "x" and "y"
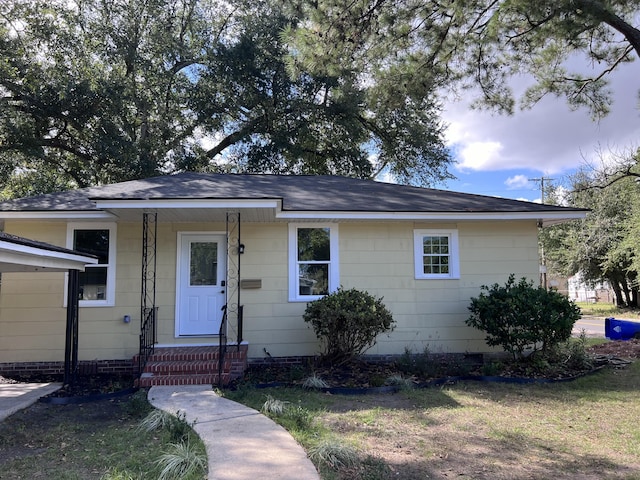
{"x": 298, "y": 193}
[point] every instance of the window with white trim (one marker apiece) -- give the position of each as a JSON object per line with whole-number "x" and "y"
{"x": 313, "y": 261}
{"x": 97, "y": 282}
{"x": 436, "y": 254}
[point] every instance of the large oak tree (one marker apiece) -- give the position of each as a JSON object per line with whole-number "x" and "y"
{"x": 97, "y": 91}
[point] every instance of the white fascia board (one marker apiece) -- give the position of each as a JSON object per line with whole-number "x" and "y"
{"x": 11, "y": 253}
{"x": 437, "y": 216}
{"x": 185, "y": 203}
{"x": 56, "y": 215}
{"x": 25, "y": 263}
{"x": 35, "y": 251}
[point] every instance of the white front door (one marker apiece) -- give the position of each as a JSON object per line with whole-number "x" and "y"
{"x": 201, "y": 284}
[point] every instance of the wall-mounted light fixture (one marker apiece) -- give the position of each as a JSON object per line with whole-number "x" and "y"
{"x": 127, "y": 319}
{"x": 241, "y": 248}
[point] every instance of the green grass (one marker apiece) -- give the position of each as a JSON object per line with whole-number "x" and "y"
{"x": 587, "y": 428}
{"x": 607, "y": 310}
{"x": 92, "y": 441}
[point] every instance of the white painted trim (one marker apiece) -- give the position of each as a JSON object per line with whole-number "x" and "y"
{"x": 57, "y": 215}
{"x": 186, "y": 203}
{"x": 334, "y": 263}
{"x": 438, "y": 216}
{"x": 454, "y": 254}
{"x": 25, "y": 251}
{"x": 110, "y": 301}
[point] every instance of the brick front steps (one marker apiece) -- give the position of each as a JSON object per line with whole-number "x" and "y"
{"x": 192, "y": 366}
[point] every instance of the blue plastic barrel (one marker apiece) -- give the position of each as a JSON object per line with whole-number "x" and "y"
{"x": 615, "y": 329}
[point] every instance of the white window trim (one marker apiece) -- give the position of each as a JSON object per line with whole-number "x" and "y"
{"x": 110, "y": 299}
{"x": 334, "y": 270}
{"x": 454, "y": 254}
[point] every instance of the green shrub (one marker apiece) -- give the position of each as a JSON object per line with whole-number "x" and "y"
{"x": 347, "y": 323}
{"x": 519, "y": 316}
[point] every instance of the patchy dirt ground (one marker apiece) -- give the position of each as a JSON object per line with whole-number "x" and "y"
{"x": 57, "y": 441}
{"x": 622, "y": 349}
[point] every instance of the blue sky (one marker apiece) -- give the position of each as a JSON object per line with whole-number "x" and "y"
{"x": 497, "y": 154}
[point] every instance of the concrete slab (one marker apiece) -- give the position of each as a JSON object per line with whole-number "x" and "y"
{"x": 242, "y": 444}
{"x": 16, "y": 396}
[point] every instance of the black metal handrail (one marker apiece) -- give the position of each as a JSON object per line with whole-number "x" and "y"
{"x": 148, "y": 336}
{"x": 240, "y": 324}
{"x": 222, "y": 344}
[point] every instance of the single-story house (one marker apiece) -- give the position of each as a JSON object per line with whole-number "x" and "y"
{"x": 191, "y": 261}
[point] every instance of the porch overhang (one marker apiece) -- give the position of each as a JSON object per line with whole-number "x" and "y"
{"x": 22, "y": 255}
{"x": 191, "y": 210}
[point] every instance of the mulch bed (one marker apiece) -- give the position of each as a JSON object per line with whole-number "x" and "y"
{"x": 354, "y": 374}
{"x": 619, "y": 348}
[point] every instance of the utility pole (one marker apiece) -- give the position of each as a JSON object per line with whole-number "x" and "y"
{"x": 543, "y": 261}
{"x": 541, "y": 180}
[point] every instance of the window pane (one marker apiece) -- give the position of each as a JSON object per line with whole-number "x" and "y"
{"x": 313, "y": 279}
{"x": 436, "y": 255}
{"x": 93, "y": 283}
{"x": 204, "y": 263}
{"x": 314, "y": 244}
{"x": 93, "y": 242}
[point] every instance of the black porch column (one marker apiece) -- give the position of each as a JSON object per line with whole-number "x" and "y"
{"x": 71, "y": 340}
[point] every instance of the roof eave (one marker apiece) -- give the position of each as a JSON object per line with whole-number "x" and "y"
{"x": 111, "y": 204}
{"x": 545, "y": 218}
{"x": 56, "y": 215}
{"x": 20, "y": 258}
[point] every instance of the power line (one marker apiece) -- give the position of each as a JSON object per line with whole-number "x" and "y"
{"x": 541, "y": 180}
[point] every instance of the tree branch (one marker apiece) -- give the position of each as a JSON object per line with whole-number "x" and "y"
{"x": 234, "y": 137}
{"x": 602, "y": 13}
{"x": 612, "y": 67}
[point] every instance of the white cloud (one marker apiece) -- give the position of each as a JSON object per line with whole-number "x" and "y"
{"x": 479, "y": 155}
{"x": 517, "y": 182}
{"x": 522, "y": 199}
{"x": 549, "y": 138}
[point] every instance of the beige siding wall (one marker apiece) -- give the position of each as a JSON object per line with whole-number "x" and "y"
{"x": 377, "y": 257}
{"x": 271, "y": 322}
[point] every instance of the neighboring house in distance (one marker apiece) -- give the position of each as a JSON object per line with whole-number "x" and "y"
{"x": 175, "y": 250}
{"x": 581, "y": 291}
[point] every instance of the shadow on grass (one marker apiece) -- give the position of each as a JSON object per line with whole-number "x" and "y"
{"x": 514, "y": 457}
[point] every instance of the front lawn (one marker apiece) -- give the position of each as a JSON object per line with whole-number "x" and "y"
{"x": 587, "y": 429}
{"x": 90, "y": 441}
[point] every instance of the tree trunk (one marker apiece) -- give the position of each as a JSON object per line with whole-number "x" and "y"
{"x": 599, "y": 10}
{"x": 618, "y": 293}
{"x": 627, "y": 293}
{"x": 634, "y": 298}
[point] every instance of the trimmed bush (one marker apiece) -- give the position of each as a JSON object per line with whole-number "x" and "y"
{"x": 347, "y": 323}
{"x": 520, "y": 317}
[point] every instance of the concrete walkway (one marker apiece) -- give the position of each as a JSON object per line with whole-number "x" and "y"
{"x": 16, "y": 396}
{"x": 241, "y": 443}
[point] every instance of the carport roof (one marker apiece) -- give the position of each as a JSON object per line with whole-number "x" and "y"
{"x": 18, "y": 254}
